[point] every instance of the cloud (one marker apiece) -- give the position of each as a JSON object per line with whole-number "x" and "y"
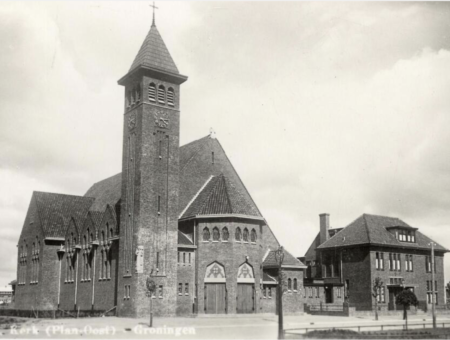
{"x": 336, "y": 107}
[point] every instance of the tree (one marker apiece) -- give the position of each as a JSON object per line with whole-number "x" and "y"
{"x": 447, "y": 290}
{"x": 406, "y": 298}
{"x": 376, "y": 289}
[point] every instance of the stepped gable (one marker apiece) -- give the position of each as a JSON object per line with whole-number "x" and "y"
{"x": 55, "y": 210}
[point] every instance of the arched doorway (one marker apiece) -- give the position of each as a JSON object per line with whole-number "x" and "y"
{"x": 215, "y": 289}
{"x": 245, "y": 289}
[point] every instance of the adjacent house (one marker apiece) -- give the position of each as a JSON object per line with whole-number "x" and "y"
{"x": 343, "y": 262}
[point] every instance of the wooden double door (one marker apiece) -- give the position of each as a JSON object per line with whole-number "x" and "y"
{"x": 215, "y": 298}
{"x": 245, "y": 298}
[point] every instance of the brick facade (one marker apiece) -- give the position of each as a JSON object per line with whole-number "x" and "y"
{"x": 97, "y": 251}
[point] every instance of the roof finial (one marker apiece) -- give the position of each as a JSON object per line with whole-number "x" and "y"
{"x": 154, "y": 7}
{"x": 212, "y": 133}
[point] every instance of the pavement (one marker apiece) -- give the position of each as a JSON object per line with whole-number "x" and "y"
{"x": 200, "y": 327}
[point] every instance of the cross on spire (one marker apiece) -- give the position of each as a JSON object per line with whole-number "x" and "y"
{"x": 154, "y": 7}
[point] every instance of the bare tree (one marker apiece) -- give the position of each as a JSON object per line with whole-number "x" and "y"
{"x": 376, "y": 289}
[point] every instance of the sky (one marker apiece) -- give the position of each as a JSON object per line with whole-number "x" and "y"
{"x": 339, "y": 108}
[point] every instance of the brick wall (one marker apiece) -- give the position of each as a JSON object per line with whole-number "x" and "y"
{"x": 186, "y": 275}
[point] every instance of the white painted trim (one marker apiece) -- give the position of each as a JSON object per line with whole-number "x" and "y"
{"x": 195, "y": 196}
{"x": 294, "y": 267}
{"x": 246, "y": 280}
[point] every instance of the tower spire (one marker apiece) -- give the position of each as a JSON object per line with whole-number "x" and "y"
{"x": 154, "y": 7}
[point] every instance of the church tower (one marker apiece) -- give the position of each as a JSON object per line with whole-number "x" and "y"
{"x": 150, "y": 181}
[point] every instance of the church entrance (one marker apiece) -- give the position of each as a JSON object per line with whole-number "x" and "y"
{"x": 245, "y": 298}
{"x": 215, "y": 298}
{"x": 215, "y": 289}
{"x": 328, "y": 294}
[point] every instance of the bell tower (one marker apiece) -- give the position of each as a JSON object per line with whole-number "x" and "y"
{"x": 150, "y": 181}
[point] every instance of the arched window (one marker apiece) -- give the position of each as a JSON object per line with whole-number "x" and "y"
{"x": 161, "y": 94}
{"x": 152, "y": 92}
{"x": 103, "y": 236}
{"x": 253, "y": 236}
{"x": 138, "y": 93}
{"x": 238, "y": 234}
{"x": 206, "y": 235}
{"x": 111, "y": 232}
{"x": 225, "y": 234}
{"x": 216, "y": 234}
{"x": 295, "y": 285}
{"x": 170, "y": 97}
{"x": 107, "y": 230}
{"x": 245, "y": 235}
{"x": 289, "y": 284}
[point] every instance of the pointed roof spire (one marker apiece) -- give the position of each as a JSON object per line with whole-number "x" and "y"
{"x": 153, "y": 52}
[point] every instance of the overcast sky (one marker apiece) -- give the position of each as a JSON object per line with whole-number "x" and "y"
{"x": 341, "y": 108}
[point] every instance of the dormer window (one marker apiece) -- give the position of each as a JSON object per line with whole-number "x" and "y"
{"x": 404, "y": 235}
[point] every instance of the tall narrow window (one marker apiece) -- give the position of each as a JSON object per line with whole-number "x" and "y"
{"x": 238, "y": 234}
{"x": 212, "y": 157}
{"x": 170, "y": 97}
{"x": 180, "y": 288}
{"x": 245, "y": 235}
{"x": 138, "y": 93}
{"x": 161, "y": 95}
{"x": 189, "y": 257}
{"x": 253, "y": 236}
{"x": 161, "y": 291}
{"x": 159, "y": 204}
{"x": 206, "y": 235}
{"x": 216, "y": 234}
{"x": 184, "y": 258}
{"x": 295, "y": 284}
{"x": 225, "y": 234}
{"x": 289, "y": 284}
{"x": 160, "y": 149}
{"x": 152, "y": 92}
{"x": 382, "y": 261}
{"x": 186, "y": 289}
{"x": 157, "y": 260}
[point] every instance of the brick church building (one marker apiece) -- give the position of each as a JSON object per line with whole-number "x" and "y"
{"x": 179, "y": 214}
{"x": 342, "y": 264}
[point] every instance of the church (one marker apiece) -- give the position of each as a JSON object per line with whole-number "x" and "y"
{"x": 179, "y": 215}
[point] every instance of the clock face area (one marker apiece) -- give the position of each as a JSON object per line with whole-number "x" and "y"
{"x": 161, "y": 119}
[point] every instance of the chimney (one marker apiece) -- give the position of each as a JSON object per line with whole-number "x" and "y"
{"x": 324, "y": 226}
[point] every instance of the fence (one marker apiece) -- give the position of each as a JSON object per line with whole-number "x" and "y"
{"x": 374, "y": 327}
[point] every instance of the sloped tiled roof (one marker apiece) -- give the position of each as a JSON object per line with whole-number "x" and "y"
{"x": 220, "y": 196}
{"x": 289, "y": 259}
{"x": 107, "y": 191}
{"x": 311, "y": 252}
{"x": 55, "y": 210}
{"x": 154, "y": 53}
{"x": 371, "y": 229}
{"x": 184, "y": 239}
{"x": 97, "y": 217}
{"x": 195, "y": 170}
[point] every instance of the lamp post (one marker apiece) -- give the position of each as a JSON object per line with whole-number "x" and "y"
{"x": 151, "y": 287}
{"x": 279, "y": 257}
{"x": 433, "y": 297}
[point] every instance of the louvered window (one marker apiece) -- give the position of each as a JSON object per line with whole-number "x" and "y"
{"x": 161, "y": 95}
{"x": 171, "y": 97}
{"x": 152, "y": 92}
